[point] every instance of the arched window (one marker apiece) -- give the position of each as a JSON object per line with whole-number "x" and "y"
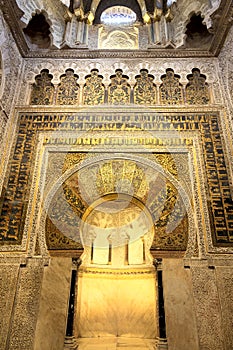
{"x": 118, "y": 15}
{"x": 170, "y": 2}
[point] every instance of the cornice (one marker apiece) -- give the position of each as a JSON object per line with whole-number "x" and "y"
{"x": 92, "y": 54}
{"x": 109, "y": 109}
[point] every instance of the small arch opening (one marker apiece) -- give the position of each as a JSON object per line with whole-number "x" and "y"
{"x": 38, "y": 31}
{"x": 197, "y": 32}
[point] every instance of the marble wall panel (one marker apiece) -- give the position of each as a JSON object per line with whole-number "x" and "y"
{"x": 51, "y": 324}
{"x": 224, "y": 277}
{"x": 117, "y": 304}
{"x": 8, "y": 284}
{"x": 178, "y": 301}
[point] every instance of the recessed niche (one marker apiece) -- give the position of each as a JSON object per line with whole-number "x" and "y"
{"x": 197, "y": 33}
{"x": 38, "y": 31}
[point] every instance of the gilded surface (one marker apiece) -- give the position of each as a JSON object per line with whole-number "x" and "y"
{"x": 197, "y": 90}
{"x": 119, "y": 176}
{"x": 68, "y": 89}
{"x": 15, "y": 196}
{"x": 93, "y": 90}
{"x": 171, "y": 89}
{"x": 42, "y": 89}
{"x": 119, "y": 89}
{"x": 145, "y": 90}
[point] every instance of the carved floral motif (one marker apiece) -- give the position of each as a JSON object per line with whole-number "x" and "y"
{"x": 68, "y": 89}
{"x": 197, "y": 90}
{"x": 119, "y": 89}
{"x": 145, "y": 89}
{"x": 42, "y": 89}
{"x": 171, "y": 89}
{"x": 93, "y": 90}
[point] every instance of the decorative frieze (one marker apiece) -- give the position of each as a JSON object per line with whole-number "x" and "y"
{"x": 119, "y": 91}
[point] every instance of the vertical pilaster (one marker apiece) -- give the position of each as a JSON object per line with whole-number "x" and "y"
{"x": 26, "y": 306}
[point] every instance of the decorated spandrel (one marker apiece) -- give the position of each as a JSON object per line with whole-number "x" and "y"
{"x": 93, "y": 90}
{"x": 145, "y": 89}
{"x": 68, "y": 89}
{"x": 119, "y": 89}
{"x": 197, "y": 90}
{"x": 170, "y": 90}
{"x": 42, "y": 89}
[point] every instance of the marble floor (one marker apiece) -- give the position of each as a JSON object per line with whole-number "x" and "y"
{"x": 113, "y": 343}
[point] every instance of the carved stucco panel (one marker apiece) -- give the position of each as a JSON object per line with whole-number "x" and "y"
{"x": 226, "y": 80}
{"x": 226, "y": 69}
{"x": 225, "y": 282}
{"x": 12, "y": 69}
{"x": 8, "y": 283}
{"x": 207, "y": 308}
{"x": 11, "y": 62}
{"x": 26, "y": 306}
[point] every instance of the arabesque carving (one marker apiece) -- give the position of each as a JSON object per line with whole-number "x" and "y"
{"x": 68, "y": 89}
{"x": 145, "y": 90}
{"x": 93, "y": 90}
{"x": 197, "y": 90}
{"x": 42, "y": 89}
{"x": 119, "y": 89}
{"x": 171, "y": 92}
{"x": 15, "y": 198}
{"x": 127, "y": 177}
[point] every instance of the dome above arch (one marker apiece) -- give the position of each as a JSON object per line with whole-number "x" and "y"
{"x": 131, "y": 6}
{"x": 118, "y": 15}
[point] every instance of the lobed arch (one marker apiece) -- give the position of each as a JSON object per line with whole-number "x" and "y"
{"x": 47, "y": 21}
{"x": 53, "y": 12}
{"x": 182, "y": 18}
